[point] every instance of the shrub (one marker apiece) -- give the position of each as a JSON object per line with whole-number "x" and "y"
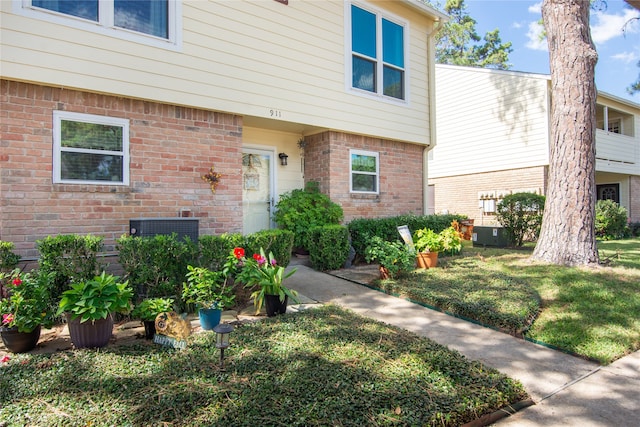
{"x": 330, "y": 247}
{"x": 278, "y": 242}
{"x": 634, "y": 228}
{"x": 8, "y": 259}
{"x": 300, "y": 210}
{"x": 214, "y": 250}
{"x": 521, "y": 216}
{"x": 71, "y": 258}
{"x": 611, "y": 220}
{"x": 387, "y": 228}
{"x": 155, "y": 266}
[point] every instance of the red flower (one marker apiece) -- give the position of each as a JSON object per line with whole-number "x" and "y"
{"x": 17, "y": 281}
{"x": 259, "y": 259}
{"x": 5, "y": 359}
{"x": 238, "y": 252}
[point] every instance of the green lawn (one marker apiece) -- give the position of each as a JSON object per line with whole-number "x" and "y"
{"x": 324, "y": 366}
{"x": 594, "y": 313}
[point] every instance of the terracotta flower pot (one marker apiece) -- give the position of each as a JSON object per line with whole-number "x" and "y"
{"x": 427, "y": 259}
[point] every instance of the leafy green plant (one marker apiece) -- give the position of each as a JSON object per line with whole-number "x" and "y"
{"x": 331, "y": 247}
{"x": 96, "y": 298}
{"x": 265, "y": 274}
{"x": 148, "y": 309}
{"x": 214, "y": 250}
{"x": 451, "y": 240}
{"x": 611, "y": 220}
{"x": 27, "y": 304}
{"x": 70, "y": 257}
{"x": 521, "y": 216}
{"x": 207, "y": 289}
{"x": 300, "y": 210}
{"x": 394, "y": 256}
{"x": 427, "y": 240}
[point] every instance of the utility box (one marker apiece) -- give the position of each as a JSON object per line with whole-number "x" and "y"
{"x": 149, "y": 227}
{"x": 490, "y": 236}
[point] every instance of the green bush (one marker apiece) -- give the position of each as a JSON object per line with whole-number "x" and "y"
{"x": 156, "y": 266}
{"x": 611, "y": 220}
{"x": 386, "y": 228}
{"x": 330, "y": 247}
{"x": 278, "y": 242}
{"x": 214, "y": 250}
{"x": 393, "y": 255}
{"x": 8, "y": 259}
{"x": 521, "y": 216}
{"x": 300, "y": 210}
{"x": 634, "y": 228}
{"x": 71, "y": 258}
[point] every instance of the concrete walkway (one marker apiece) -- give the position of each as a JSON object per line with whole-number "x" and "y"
{"x": 567, "y": 390}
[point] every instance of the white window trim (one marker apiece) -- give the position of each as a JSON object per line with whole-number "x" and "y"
{"x": 378, "y": 95}
{"x": 105, "y": 25}
{"x": 377, "y": 173}
{"x": 58, "y": 116}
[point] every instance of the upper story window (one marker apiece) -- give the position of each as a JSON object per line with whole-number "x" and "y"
{"x": 90, "y": 149}
{"x": 148, "y": 21}
{"x": 364, "y": 170}
{"x": 377, "y": 54}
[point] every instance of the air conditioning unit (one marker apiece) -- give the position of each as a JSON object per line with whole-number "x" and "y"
{"x": 149, "y": 227}
{"x": 490, "y": 236}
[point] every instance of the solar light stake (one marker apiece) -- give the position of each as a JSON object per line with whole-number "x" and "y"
{"x": 222, "y": 331}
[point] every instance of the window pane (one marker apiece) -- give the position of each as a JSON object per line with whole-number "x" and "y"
{"x": 364, "y": 74}
{"x": 393, "y": 83}
{"x": 145, "y": 16}
{"x": 361, "y": 163}
{"x": 392, "y": 44}
{"x": 91, "y": 167}
{"x": 90, "y": 136}
{"x": 87, "y": 9}
{"x": 363, "y": 182}
{"x": 363, "y": 32}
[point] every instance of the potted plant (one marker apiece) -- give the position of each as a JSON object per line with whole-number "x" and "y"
{"x": 210, "y": 292}
{"x": 427, "y": 243}
{"x": 25, "y": 309}
{"x": 267, "y": 275}
{"x": 89, "y": 306}
{"x": 451, "y": 240}
{"x": 147, "y": 311}
{"x": 393, "y": 257}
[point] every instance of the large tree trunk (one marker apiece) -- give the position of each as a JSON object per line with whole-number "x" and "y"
{"x": 567, "y": 236}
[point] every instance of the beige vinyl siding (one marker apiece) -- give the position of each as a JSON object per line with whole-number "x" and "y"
{"x": 489, "y": 120}
{"x": 250, "y": 58}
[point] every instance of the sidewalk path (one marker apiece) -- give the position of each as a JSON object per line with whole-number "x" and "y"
{"x": 568, "y": 391}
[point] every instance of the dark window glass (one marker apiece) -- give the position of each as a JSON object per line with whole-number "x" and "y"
{"x": 91, "y": 167}
{"x": 364, "y": 74}
{"x": 87, "y": 9}
{"x": 149, "y": 17}
{"x": 393, "y": 83}
{"x": 363, "y": 182}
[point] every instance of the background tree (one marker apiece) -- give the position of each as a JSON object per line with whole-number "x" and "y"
{"x": 457, "y": 42}
{"x": 567, "y": 236}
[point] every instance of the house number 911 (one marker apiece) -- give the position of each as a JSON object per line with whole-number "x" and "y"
{"x": 275, "y": 113}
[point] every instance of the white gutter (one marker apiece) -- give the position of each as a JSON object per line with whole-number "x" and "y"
{"x": 431, "y": 47}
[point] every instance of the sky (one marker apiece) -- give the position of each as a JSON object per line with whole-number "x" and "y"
{"x": 618, "y": 50}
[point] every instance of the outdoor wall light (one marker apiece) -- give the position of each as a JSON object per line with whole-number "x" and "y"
{"x": 283, "y": 158}
{"x": 222, "y": 331}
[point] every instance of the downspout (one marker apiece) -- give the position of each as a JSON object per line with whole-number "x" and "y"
{"x": 431, "y": 46}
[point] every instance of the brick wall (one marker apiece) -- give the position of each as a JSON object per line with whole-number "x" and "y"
{"x": 459, "y": 194}
{"x": 401, "y": 165}
{"x": 171, "y": 147}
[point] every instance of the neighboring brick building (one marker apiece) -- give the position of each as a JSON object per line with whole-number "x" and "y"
{"x": 493, "y": 140}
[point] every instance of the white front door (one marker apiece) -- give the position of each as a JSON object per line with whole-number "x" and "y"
{"x": 257, "y": 189}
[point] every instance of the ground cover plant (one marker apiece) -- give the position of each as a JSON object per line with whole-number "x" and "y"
{"x": 592, "y": 313}
{"x": 324, "y": 366}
